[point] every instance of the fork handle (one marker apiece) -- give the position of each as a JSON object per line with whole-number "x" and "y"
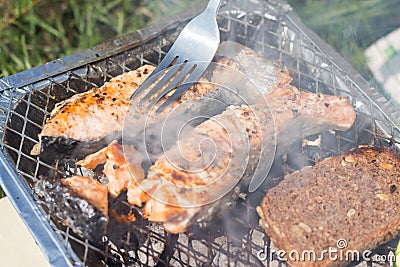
{"x": 213, "y": 6}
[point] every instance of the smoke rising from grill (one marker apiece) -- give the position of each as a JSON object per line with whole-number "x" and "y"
{"x": 204, "y": 151}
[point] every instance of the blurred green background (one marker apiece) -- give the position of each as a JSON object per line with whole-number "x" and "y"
{"x": 350, "y": 26}
{"x": 33, "y": 32}
{"x": 36, "y": 31}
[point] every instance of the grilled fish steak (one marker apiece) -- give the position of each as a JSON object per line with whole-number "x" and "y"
{"x": 265, "y": 75}
{"x": 166, "y": 193}
{"x": 91, "y": 115}
{"x": 351, "y": 198}
{"x": 91, "y": 120}
{"x": 91, "y": 190}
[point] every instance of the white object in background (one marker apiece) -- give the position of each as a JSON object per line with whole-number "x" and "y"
{"x": 17, "y": 246}
{"x": 383, "y": 59}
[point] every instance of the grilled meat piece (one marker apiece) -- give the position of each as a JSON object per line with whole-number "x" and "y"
{"x": 264, "y": 74}
{"x": 299, "y": 113}
{"x": 77, "y": 202}
{"x": 88, "y": 121}
{"x": 94, "y": 114}
{"x": 351, "y": 198}
{"x": 235, "y": 85}
{"x": 122, "y": 166}
{"x": 178, "y": 194}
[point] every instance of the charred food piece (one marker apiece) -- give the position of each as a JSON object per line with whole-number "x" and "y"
{"x": 349, "y": 201}
{"x": 78, "y": 202}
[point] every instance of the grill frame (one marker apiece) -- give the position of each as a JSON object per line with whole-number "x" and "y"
{"x": 52, "y": 240}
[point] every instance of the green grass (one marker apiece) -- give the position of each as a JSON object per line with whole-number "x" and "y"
{"x": 33, "y": 32}
{"x": 350, "y": 26}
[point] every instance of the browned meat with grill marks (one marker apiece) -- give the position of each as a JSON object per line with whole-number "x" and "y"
{"x": 90, "y": 120}
{"x": 172, "y": 194}
{"x": 82, "y": 202}
{"x": 260, "y": 71}
{"x": 347, "y": 202}
{"x": 299, "y": 113}
{"x": 96, "y": 113}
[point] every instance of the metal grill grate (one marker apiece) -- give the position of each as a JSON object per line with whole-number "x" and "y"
{"x": 271, "y": 28}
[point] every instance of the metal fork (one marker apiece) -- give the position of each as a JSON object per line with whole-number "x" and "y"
{"x": 188, "y": 57}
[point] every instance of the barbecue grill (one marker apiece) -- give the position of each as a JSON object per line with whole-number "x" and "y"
{"x": 269, "y": 27}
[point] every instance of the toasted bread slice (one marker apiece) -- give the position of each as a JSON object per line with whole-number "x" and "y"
{"x": 345, "y": 203}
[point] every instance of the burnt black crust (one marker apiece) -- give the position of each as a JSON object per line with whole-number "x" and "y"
{"x": 69, "y": 209}
{"x": 53, "y": 148}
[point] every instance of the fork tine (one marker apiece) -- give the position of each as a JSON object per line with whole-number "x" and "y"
{"x": 165, "y": 63}
{"x": 172, "y": 71}
{"x": 194, "y": 76}
{"x": 143, "y": 86}
{"x": 187, "y": 69}
{"x": 174, "y": 96}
